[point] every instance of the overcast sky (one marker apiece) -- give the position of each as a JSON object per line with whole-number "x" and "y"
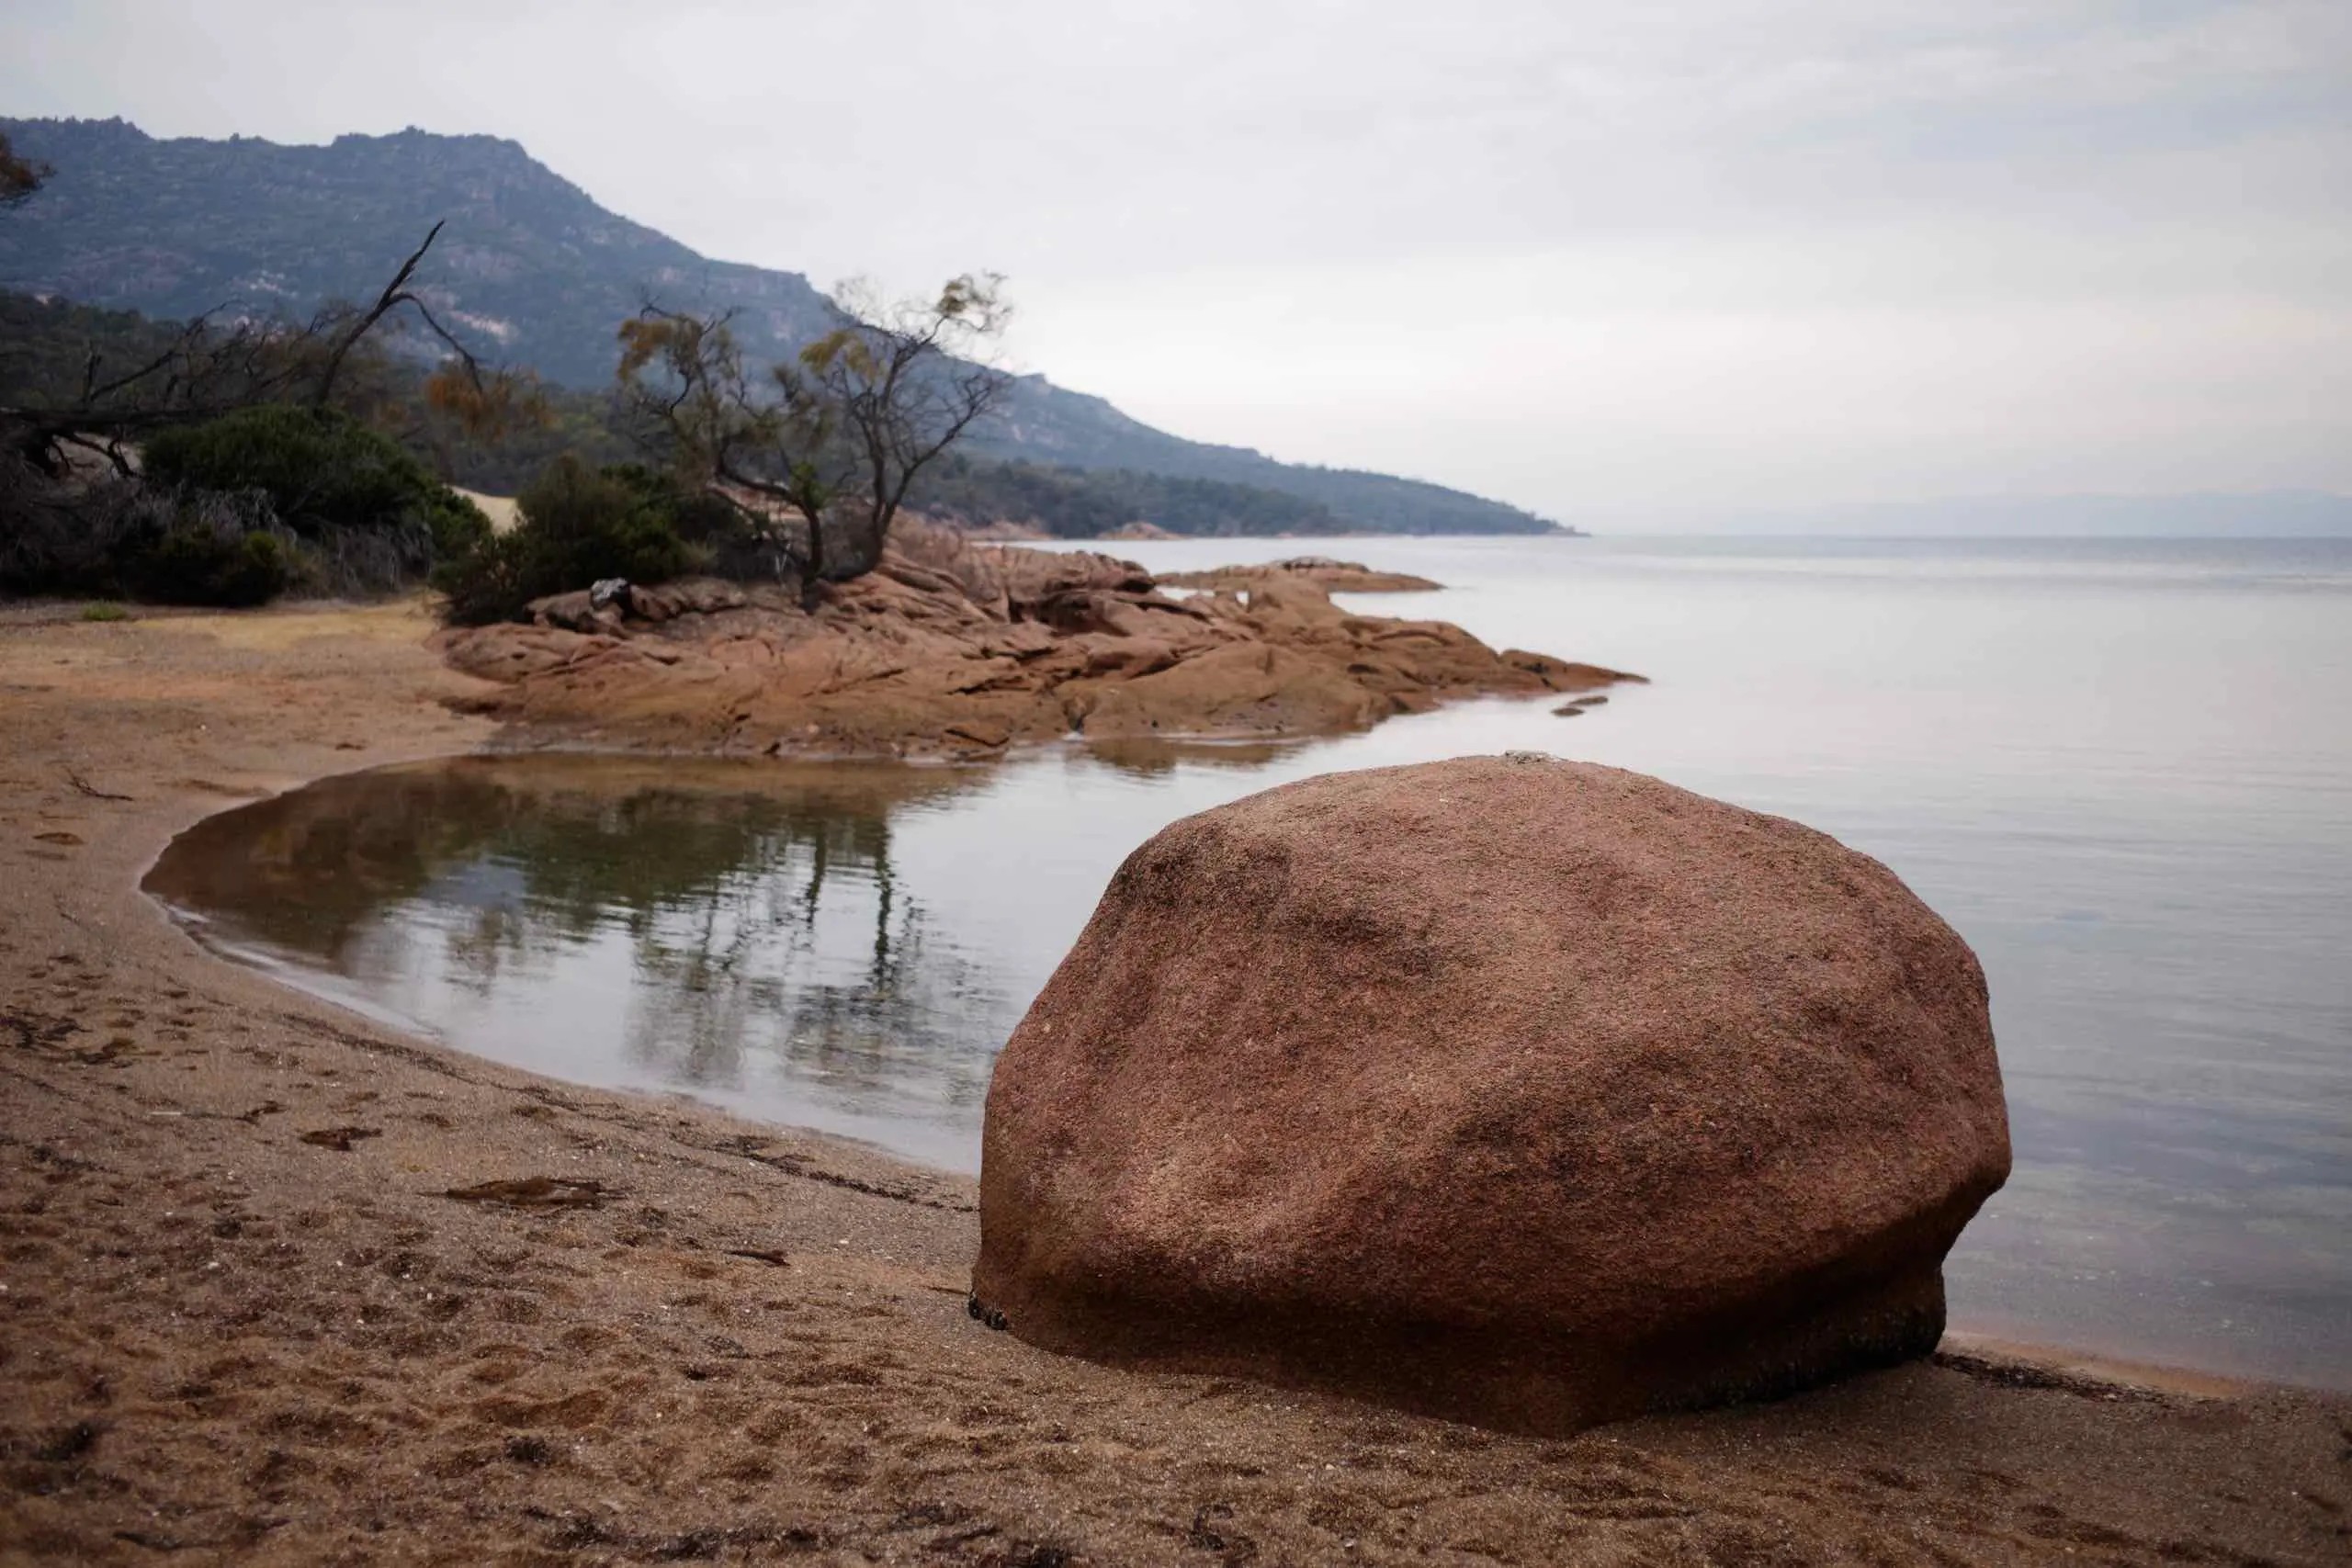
{"x": 1597, "y": 259}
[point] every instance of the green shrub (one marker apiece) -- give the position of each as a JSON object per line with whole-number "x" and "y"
{"x": 320, "y": 468}
{"x": 122, "y": 539}
{"x": 718, "y": 535}
{"x": 457, "y": 523}
{"x": 105, "y": 612}
{"x": 194, "y": 562}
{"x": 201, "y": 548}
{"x": 369, "y": 514}
{"x": 491, "y": 582}
{"x": 576, "y": 526}
{"x": 595, "y": 523}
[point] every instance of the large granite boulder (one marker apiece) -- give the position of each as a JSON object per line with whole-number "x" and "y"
{"x": 1527, "y": 1092}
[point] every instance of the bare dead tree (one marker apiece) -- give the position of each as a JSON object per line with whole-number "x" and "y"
{"x": 832, "y": 437}
{"x": 223, "y": 361}
{"x": 344, "y": 327}
{"x": 210, "y": 365}
{"x": 906, "y": 385}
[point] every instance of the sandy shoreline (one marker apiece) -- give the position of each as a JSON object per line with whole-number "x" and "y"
{"x": 284, "y": 1286}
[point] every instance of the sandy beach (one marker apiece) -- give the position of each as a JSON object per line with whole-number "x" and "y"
{"x": 281, "y": 1286}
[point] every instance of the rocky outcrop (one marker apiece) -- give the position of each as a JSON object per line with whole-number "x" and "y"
{"x": 1322, "y": 571}
{"x": 1526, "y": 1092}
{"x": 1004, "y": 529}
{"x": 952, "y": 646}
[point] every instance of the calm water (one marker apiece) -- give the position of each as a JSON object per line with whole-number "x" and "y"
{"x": 2124, "y": 771}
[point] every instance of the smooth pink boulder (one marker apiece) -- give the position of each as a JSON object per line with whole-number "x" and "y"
{"x": 1527, "y": 1092}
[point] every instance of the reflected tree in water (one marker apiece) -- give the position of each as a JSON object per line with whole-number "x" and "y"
{"x": 810, "y": 953}
{"x": 765, "y": 927}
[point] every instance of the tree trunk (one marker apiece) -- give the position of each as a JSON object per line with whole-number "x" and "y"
{"x": 872, "y": 535}
{"x": 812, "y": 581}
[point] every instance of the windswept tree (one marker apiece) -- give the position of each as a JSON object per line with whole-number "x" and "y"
{"x": 821, "y": 450}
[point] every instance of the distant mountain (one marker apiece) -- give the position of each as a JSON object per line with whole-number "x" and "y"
{"x": 530, "y": 264}
{"x": 1052, "y": 425}
{"x": 1083, "y": 503}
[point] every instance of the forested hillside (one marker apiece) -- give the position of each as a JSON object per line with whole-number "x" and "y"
{"x": 539, "y": 276}
{"x": 1080, "y": 503}
{"x": 1052, "y": 425}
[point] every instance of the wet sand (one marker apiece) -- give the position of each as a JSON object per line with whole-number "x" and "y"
{"x": 281, "y": 1286}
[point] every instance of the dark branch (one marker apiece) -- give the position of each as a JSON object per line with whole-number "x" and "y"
{"x": 395, "y": 295}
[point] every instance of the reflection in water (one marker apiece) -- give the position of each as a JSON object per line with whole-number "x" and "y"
{"x": 1151, "y": 757}
{"x": 738, "y": 931}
